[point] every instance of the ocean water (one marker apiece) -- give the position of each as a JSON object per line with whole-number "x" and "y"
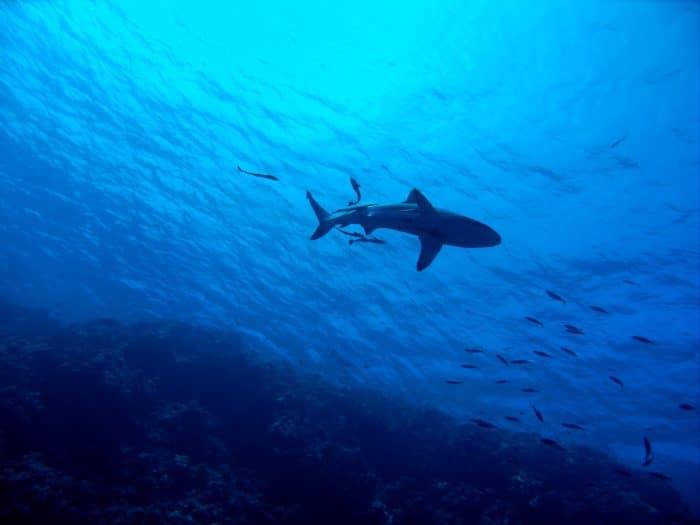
{"x": 131, "y": 244}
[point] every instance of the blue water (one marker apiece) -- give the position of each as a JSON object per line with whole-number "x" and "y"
{"x": 572, "y": 129}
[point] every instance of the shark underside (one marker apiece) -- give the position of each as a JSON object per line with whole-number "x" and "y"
{"x": 417, "y": 216}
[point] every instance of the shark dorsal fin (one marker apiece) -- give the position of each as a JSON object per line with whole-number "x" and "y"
{"x": 430, "y": 246}
{"x": 417, "y": 198}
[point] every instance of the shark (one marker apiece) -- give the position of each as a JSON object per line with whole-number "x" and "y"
{"x": 433, "y": 226}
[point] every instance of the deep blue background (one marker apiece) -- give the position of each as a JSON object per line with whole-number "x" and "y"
{"x": 121, "y": 124}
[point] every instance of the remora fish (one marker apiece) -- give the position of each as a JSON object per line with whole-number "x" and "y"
{"x": 356, "y": 187}
{"x": 417, "y": 216}
{"x": 351, "y": 234}
{"x": 372, "y": 240}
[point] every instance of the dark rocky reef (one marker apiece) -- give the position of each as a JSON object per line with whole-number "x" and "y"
{"x": 162, "y": 422}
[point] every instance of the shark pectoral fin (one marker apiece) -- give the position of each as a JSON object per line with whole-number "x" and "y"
{"x": 429, "y": 248}
{"x": 417, "y": 198}
{"x": 368, "y": 229}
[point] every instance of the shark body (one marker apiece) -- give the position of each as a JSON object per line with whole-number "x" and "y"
{"x": 417, "y": 216}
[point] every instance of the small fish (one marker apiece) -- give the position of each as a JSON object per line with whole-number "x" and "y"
{"x": 483, "y": 424}
{"x": 569, "y": 351}
{"x": 469, "y": 367}
{"x": 529, "y": 390}
{"x": 533, "y": 320}
{"x": 618, "y": 142}
{"x": 572, "y": 426}
{"x": 643, "y": 339}
{"x": 502, "y": 359}
{"x": 355, "y": 186}
{"x": 623, "y": 472}
{"x": 659, "y": 475}
{"x": 501, "y": 381}
{"x": 574, "y": 330}
{"x": 537, "y": 413}
{"x": 555, "y": 296}
{"x": 520, "y": 361}
{"x": 551, "y": 443}
{"x": 454, "y": 382}
{"x": 648, "y": 454}
{"x": 373, "y": 240}
{"x": 599, "y": 309}
{"x": 261, "y": 175}
{"x": 512, "y": 418}
{"x": 542, "y": 354}
{"x": 686, "y": 406}
{"x": 474, "y": 350}
{"x": 617, "y": 380}
{"x": 572, "y": 327}
{"x": 630, "y": 282}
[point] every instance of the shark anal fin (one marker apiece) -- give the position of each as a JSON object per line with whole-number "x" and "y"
{"x": 417, "y": 198}
{"x": 429, "y": 248}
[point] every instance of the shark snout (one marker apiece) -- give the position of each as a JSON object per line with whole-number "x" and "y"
{"x": 493, "y": 238}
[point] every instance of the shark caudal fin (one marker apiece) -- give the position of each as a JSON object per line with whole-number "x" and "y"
{"x": 324, "y": 223}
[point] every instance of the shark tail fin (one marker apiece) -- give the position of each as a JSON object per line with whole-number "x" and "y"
{"x": 324, "y": 223}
